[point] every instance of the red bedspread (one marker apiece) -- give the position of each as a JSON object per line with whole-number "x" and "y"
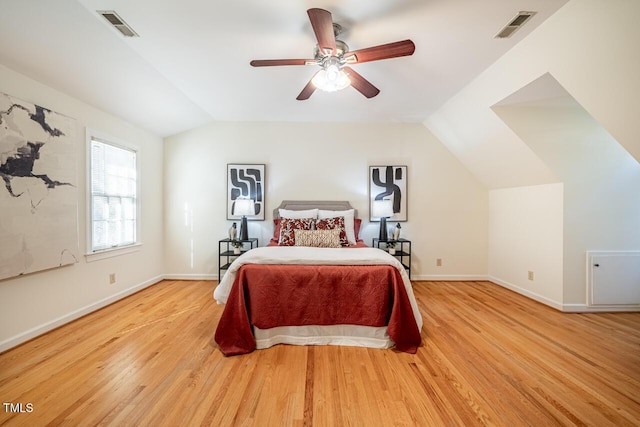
{"x": 293, "y": 295}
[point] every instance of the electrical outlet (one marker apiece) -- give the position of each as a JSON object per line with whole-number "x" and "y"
{"x": 530, "y": 275}
{"x": 112, "y": 278}
{"x": 438, "y": 262}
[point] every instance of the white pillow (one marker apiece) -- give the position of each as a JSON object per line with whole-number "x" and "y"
{"x": 349, "y": 216}
{"x": 309, "y": 213}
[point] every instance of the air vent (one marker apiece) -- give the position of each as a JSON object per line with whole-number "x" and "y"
{"x": 513, "y": 25}
{"x": 117, "y": 22}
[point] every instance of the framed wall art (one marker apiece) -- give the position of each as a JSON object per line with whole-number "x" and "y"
{"x": 246, "y": 181}
{"x": 38, "y": 190}
{"x": 389, "y": 183}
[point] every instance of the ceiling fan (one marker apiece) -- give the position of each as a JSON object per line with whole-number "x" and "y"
{"x": 334, "y": 58}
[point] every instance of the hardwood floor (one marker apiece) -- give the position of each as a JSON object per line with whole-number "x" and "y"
{"x": 489, "y": 357}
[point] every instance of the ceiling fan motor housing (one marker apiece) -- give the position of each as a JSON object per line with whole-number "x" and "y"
{"x": 341, "y": 49}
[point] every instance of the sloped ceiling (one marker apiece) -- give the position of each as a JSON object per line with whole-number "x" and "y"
{"x": 587, "y": 50}
{"x": 190, "y": 64}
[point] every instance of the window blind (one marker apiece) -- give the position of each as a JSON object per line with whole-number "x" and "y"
{"x": 113, "y": 196}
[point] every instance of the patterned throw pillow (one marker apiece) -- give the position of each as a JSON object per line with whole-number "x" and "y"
{"x": 288, "y": 227}
{"x": 349, "y": 221}
{"x": 318, "y": 238}
{"x": 336, "y": 223}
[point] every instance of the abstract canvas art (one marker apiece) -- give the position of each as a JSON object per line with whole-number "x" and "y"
{"x": 389, "y": 182}
{"x": 245, "y": 181}
{"x": 38, "y": 191}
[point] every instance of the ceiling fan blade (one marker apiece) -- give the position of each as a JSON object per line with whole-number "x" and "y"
{"x": 322, "y": 24}
{"x": 384, "y": 51}
{"x": 361, "y": 84}
{"x": 307, "y": 91}
{"x": 274, "y": 62}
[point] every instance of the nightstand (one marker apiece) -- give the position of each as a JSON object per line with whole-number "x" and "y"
{"x": 226, "y": 254}
{"x": 403, "y": 251}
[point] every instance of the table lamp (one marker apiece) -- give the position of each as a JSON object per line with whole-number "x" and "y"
{"x": 244, "y": 206}
{"x": 382, "y": 209}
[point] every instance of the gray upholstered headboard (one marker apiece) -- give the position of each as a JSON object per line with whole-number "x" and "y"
{"x": 301, "y": 205}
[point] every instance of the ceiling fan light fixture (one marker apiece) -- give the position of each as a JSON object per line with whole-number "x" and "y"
{"x": 331, "y": 80}
{"x": 332, "y": 72}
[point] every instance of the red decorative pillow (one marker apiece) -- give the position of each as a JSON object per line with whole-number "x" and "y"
{"x": 276, "y": 228}
{"x": 356, "y": 226}
{"x": 288, "y": 227}
{"x": 332, "y": 224}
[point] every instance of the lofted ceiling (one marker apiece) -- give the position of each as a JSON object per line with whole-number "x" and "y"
{"x": 190, "y": 65}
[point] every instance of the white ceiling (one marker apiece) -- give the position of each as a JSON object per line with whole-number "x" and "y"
{"x": 191, "y": 66}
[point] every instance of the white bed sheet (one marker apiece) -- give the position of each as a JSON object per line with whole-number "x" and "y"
{"x": 344, "y": 335}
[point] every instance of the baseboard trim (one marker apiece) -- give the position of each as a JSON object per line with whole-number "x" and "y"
{"x": 565, "y": 308}
{"x": 527, "y": 293}
{"x": 584, "y": 308}
{"x": 574, "y": 308}
{"x": 449, "y": 277}
{"x": 191, "y": 276}
{"x": 76, "y": 314}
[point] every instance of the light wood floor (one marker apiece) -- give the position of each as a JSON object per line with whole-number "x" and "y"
{"x": 489, "y": 357}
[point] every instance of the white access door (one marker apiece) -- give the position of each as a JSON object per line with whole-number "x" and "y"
{"x": 613, "y": 278}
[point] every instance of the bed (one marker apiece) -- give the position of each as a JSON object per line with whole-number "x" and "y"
{"x": 288, "y": 293}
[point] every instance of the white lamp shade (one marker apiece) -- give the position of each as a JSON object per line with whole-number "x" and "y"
{"x": 382, "y": 208}
{"x": 244, "y": 207}
{"x": 331, "y": 80}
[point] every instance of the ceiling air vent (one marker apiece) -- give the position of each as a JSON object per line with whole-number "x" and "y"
{"x": 119, "y": 24}
{"x": 513, "y": 25}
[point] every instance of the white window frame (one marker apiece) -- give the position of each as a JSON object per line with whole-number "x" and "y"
{"x": 119, "y": 250}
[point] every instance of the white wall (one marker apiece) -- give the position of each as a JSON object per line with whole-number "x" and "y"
{"x": 35, "y": 303}
{"x": 590, "y": 48}
{"x": 526, "y": 234}
{"x": 601, "y": 182}
{"x": 448, "y": 208}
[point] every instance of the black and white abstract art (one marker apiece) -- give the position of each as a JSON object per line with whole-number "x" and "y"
{"x": 245, "y": 181}
{"x": 38, "y": 192}
{"x": 389, "y": 182}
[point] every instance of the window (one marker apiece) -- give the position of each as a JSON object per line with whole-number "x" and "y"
{"x": 113, "y": 203}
